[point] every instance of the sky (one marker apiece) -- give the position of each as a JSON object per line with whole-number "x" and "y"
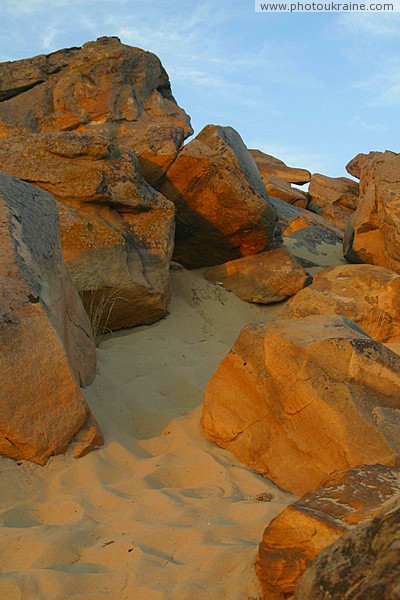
{"x": 311, "y": 89}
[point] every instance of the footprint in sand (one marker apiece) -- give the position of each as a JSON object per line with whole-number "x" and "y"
{"x": 20, "y": 516}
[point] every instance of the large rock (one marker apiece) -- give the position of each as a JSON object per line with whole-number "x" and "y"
{"x": 269, "y": 166}
{"x": 284, "y": 191}
{"x": 316, "y": 247}
{"x": 277, "y": 177}
{"x": 365, "y": 294}
{"x": 265, "y": 278}
{"x": 223, "y": 211}
{"x": 373, "y": 232}
{"x": 363, "y": 564}
{"x": 299, "y": 399}
{"x": 45, "y": 339}
{"x": 104, "y": 87}
{"x": 116, "y": 231}
{"x": 295, "y": 537}
{"x": 356, "y": 164}
{"x": 335, "y": 198}
{"x": 292, "y": 218}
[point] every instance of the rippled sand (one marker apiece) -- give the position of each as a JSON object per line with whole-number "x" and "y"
{"x": 159, "y": 512}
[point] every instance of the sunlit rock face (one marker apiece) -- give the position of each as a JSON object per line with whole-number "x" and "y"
{"x": 335, "y": 198}
{"x": 47, "y": 348}
{"x": 117, "y": 232}
{"x": 372, "y": 234}
{"x": 278, "y": 177}
{"x": 264, "y": 278}
{"x": 366, "y": 294}
{"x": 104, "y": 87}
{"x": 298, "y": 399}
{"x": 223, "y": 211}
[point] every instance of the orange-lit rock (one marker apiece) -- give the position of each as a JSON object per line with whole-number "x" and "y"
{"x": 365, "y": 294}
{"x": 277, "y": 177}
{"x": 355, "y": 165}
{"x": 45, "y": 339}
{"x": 363, "y": 564}
{"x": 334, "y": 198}
{"x": 277, "y": 188}
{"x": 373, "y": 232}
{"x": 295, "y": 537}
{"x": 104, "y": 87}
{"x": 222, "y": 207}
{"x": 292, "y": 218}
{"x": 299, "y": 399}
{"x": 116, "y": 231}
{"x": 268, "y": 277}
{"x": 89, "y": 438}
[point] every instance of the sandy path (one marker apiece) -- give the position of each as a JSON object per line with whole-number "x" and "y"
{"x": 159, "y": 512}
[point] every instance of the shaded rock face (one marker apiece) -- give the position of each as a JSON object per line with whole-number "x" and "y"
{"x": 116, "y": 231}
{"x": 373, "y": 232}
{"x": 45, "y": 339}
{"x": 292, "y": 218}
{"x": 315, "y": 247}
{"x": 265, "y": 278}
{"x": 299, "y": 399}
{"x": 335, "y": 198}
{"x": 277, "y": 177}
{"x": 223, "y": 211}
{"x": 295, "y": 537}
{"x": 364, "y": 563}
{"x": 365, "y": 294}
{"x": 104, "y": 87}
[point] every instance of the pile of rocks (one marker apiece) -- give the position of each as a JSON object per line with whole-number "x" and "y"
{"x": 99, "y": 192}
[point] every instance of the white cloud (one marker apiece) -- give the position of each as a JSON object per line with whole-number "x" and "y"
{"x": 382, "y": 90}
{"x": 369, "y": 125}
{"x": 375, "y": 24}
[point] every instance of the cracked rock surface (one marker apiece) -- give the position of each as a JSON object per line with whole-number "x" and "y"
{"x": 116, "y": 231}
{"x": 298, "y": 399}
{"x": 47, "y": 348}
{"x": 364, "y": 563}
{"x": 372, "y": 234}
{"x": 295, "y": 537}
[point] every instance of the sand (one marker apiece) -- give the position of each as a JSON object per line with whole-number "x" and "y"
{"x": 159, "y": 512}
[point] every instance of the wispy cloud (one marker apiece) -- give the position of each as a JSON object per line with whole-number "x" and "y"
{"x": 367, "y": 125}
{"x": 375, "y": 24}
{"x": 383, "y": 89}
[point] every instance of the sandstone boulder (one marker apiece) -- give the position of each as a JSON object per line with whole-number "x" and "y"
{"x": 292, "y": 218}
{"x": 295, "y": 537}
{"x": 265, "y": 278}
{"x": 315, "y": 247}
{"x": 299, "y": 399}
{"x": 365, "y": 294}
{"x": 373, "y": 232}
{"x": 284, "y": 191}
{"x": 222, "y": 207}
{"x": 269, "y": 166}
{"x": 45, "y": 338}
{"x": 355, "y": 165}
{"x": 363, "y": 564}
{"x": 104, "y": 87}
{"x": 277, "y": 177}
{"x": 116, "y": 231}
{"x": 335, "y": 198}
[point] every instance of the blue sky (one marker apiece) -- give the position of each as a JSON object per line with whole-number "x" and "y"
{"x": 312, "y": 89}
